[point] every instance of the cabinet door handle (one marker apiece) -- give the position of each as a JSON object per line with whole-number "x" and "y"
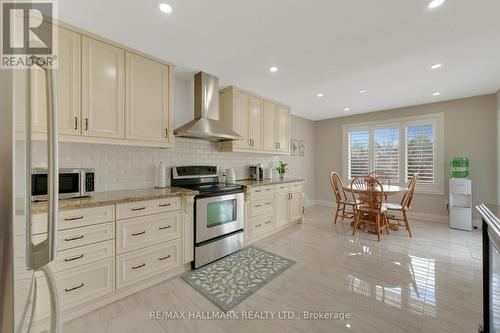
{"x": 256, "y": 206}
{"x": 74, "y": 288}
{"x": 165, "y": 205}
{"x": 268, "y": 189}
{"x": 76, "y": 123}
{"x": 69, "y": 239}
{"x": 73, "y": 218}
{"x": 166, "y": 257}
{"x": 139, "y": 266}
{"x": 258, "y": 225}
{"x": 165, "y": 227}
{"x": 268, "y": 222}
{"x": 74, "y": 258}
{"x": 138, "y": 208}
{"x": 166, "y": 133}
{"x": 139, "y": 233}
{"x": 267, "y": 203}
{"x": 86, "y": 124}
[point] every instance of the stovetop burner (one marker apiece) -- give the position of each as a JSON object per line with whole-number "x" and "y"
{"x": 203, "y": 179}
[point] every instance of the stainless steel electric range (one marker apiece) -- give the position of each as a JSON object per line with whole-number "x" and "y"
{"x": 219, "y": 212}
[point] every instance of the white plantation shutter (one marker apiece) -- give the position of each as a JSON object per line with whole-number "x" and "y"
{"x": 359, "y": 153}
{"x": 420, "y": 157}
{"x": 386, "y": 152}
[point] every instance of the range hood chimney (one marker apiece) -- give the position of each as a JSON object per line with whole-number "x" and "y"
{"x": 206, "y": 124}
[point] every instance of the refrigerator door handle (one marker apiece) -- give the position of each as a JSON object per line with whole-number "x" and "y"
{"x": 41, "y": 254}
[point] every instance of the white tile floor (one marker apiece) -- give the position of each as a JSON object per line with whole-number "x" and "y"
{"x": 428, "y": 283}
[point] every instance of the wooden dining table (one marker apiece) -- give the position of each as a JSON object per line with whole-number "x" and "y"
{"x": 388, "y": 190}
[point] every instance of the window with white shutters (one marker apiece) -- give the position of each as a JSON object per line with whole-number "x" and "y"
{"x": 386, "y": 152}
{"x": 420, "y": 157}
{"x": 359, "y": 153}
{"x": 400, "y": 148}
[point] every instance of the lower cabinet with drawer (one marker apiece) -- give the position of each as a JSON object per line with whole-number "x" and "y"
{"x": 149, "y": 230}
{"x": 78, "y": 285}
{"x": 136, "y": 265}
{"x": 271, "y": 208}
{"x": 109, "y": 252}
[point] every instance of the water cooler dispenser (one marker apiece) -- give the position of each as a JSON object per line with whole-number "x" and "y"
{"x": 461, "y": 204}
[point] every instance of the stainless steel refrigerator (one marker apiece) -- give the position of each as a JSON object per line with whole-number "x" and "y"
{"x": 20, "y": 258}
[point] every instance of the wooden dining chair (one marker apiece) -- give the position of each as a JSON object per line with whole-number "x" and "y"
{"x": 382, "y": 177}
{"x": 341, "y": 199}
{"x": 370, "y": 210}
{"x": 404, "y": 206}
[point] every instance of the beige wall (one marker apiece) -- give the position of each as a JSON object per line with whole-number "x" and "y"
{"x": 498, "y": 146}
{"x": 303, "y": 166}
{"x": 470, "y": 130}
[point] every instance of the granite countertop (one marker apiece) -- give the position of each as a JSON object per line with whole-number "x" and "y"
{"x": 114, "y": 197}
{"x": 249, "y": 183}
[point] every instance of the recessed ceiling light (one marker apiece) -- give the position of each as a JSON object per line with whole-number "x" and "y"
{"x": 320, "y": 95}
{"x": 436, "y": 66}
{"x": 347, "y": 109}
{"x": 437, "y": 93}
{"x": 362, "y": 91}
{"x": 435, "y": 3}
{"x": 273, "y": 69}
{"x": 164, "y": 7}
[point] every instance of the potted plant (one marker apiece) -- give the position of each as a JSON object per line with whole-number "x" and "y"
{"x": 282, "y": 168}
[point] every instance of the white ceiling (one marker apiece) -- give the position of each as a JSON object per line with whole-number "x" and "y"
{"x": 334, "y": 47}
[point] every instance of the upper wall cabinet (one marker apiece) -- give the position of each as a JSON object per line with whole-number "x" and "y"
{"x": 68, "y": 87}
{"x": 263, "y": 124}
{"x": 147, "y": 97}
{"x": 106, "y": 93}
{"x": 102, "y": 89}
{"x": 276, "y": 128}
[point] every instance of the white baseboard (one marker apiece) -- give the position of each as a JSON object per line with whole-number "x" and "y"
{"x": 413, "y": 214}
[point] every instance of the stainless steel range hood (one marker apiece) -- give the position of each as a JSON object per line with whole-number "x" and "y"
{"x": 206, "y": 124}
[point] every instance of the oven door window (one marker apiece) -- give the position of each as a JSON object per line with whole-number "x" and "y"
{"x": 69, "y": 183}
{"x": 221, "y": 212}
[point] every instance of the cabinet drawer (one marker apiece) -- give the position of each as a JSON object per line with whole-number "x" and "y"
{"x": 78, "y": 285}
{"x": 282, "y": 188}
{"x": 148, "y": 230}
{"x": 75, "y": 218}
{"x": 137, "y": 265}
{"x": 68, "y": 239}
{"x": 262, "y": 190}
{"x": 261, "y": 224}
{"x": 141, "y": 208}
{"x": 295, "y": 187}
{"x": 83, "y": 255}
{"x": 261, "y": 206}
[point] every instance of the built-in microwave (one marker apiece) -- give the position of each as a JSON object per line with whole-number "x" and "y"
{"x": 73, "y": 183}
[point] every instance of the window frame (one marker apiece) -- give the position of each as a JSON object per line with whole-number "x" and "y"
{"x": 437, "y": 121}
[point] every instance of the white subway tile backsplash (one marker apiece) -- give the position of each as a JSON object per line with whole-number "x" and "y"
{"x": 122, "y": 167}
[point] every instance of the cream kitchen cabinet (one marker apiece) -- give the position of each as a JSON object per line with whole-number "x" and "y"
{"x": 154, "y": 242}
{"x": 102, "y": 89}
{"x": 106, "y": 93}
{"x": 271, "y": 208}
{"x": 283, "y": 129}
{"x": 263, "y": 124}
{"x": 241, "y": 117}
{"x": 147, "y": 116}
{"x": 276, "y": 128}
{"x": 282, "y": 211}
{"x": 68, "y": 87}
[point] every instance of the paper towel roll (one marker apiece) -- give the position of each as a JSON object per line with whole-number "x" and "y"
{"x": 162, "y": 175}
